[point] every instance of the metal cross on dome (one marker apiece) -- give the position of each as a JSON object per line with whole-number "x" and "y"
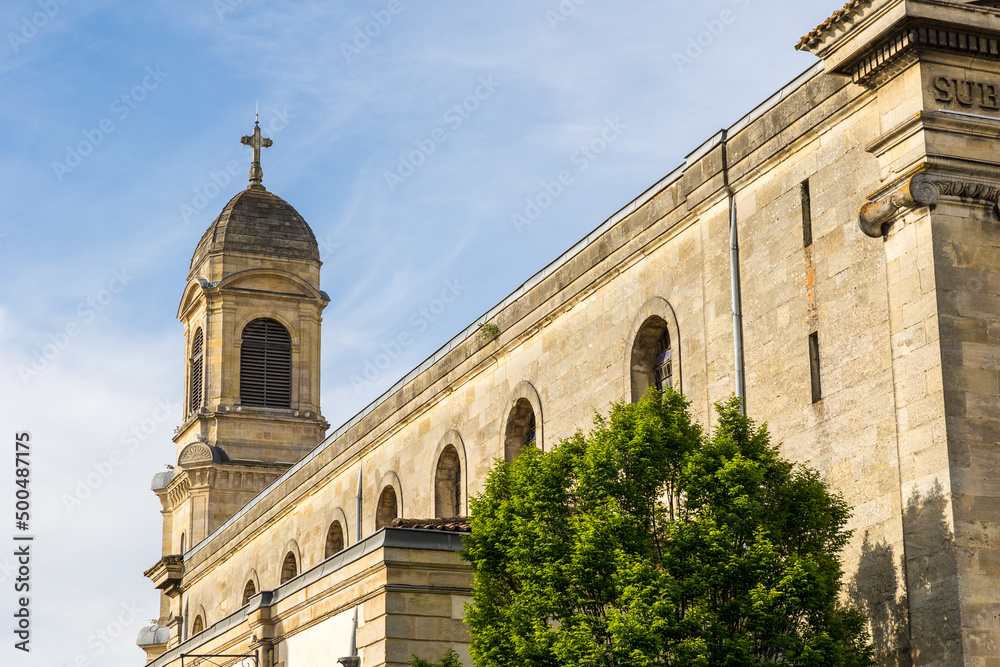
{"x": 256, "y": 141}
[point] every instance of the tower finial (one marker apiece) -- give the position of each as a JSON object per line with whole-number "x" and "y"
{"x": 256, "y": 141}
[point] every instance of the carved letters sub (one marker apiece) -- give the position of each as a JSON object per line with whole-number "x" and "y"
{"x": 966, "y": 94}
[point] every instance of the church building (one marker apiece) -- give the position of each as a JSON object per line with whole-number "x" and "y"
{"x": 833, "y": 258}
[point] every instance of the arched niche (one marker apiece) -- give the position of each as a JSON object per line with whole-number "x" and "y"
{"x": 338, "y": 516}
{"x": 522, "y": 422}
{"x": 654, "y": 321}
{"x": 448, "y": 477}
{"x": 291, "y": 563}
{"x": 388, "y": 501}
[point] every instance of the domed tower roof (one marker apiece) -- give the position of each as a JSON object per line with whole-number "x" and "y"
{"x": 256, "y": 222}
{"x": 259, "y": 222}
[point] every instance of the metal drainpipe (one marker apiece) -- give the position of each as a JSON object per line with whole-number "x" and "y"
{"x": 734, "y": 272}
{"x": 357, "y": 507}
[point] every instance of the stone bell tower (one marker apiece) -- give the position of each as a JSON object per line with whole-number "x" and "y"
{"x": 251, "y": 310}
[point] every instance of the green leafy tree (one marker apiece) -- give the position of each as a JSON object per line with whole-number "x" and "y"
{"x": 450, "y": 659}
{"x": 649, "y": 542}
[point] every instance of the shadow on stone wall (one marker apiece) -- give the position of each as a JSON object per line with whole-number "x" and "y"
{"x": 873, "y": 590}
{"x": 926, "y": 606}
{"x": 932, "y": 573}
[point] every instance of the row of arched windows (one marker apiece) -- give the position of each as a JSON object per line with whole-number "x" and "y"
{"x": 651, "y": 363}
{"x": 265, "y": 366}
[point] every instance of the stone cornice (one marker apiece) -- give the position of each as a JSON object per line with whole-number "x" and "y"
{"x": 898, "y": 51}
{"x": 916, "y": 190}
{"x": 873, "y": 41}
{"x": 167, "y": 574}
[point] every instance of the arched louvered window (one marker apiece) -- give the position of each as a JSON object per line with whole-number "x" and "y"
{"x": 197, "y": 371}
{"x": 266, "y": 365}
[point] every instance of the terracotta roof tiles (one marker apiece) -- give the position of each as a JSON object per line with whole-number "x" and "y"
{"x": 455, "y": 524}
{"x": 838, "y": 15}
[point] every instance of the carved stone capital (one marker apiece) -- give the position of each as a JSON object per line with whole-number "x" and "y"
{"x": 921, "y": 189}
{"x": 917, "y": 190}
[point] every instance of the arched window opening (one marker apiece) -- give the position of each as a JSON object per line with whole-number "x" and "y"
{"x": 290, "y": 568}
{"x": 334, "y": 539}
{"x": 183, "y": 544}
{"x": 197, "y": 377}
{"x": 266, "y": 365}
{"x": 448, "y": 484}
{"x": 198, "y": 626}
{"x": 388, "y": 508}
{"x": 249, "y": 591}
{"x": 520, "y": 431}
{"x": 652, "y": 362}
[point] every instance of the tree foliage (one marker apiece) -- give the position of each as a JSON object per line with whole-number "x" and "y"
{"x": 648, "y": 542}
{"x": 450, "y": 659}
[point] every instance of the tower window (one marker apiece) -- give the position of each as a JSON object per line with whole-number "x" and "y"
{"x": 266, "y": 365}
{"x": 198, "y": 625}
{"x": 197, "y": 366}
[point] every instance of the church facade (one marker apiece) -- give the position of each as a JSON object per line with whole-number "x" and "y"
{"x": 833, "y": 257}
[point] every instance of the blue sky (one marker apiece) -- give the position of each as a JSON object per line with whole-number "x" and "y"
{"x": 415, "y": 152}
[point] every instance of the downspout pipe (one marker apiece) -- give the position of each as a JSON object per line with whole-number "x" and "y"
{"x": 357, "y": 507}
{"x": 734, "y": 273}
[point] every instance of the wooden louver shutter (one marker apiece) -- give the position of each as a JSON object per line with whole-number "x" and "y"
{"x": 266, "y": 365}
{"x": 197, "y": 364}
